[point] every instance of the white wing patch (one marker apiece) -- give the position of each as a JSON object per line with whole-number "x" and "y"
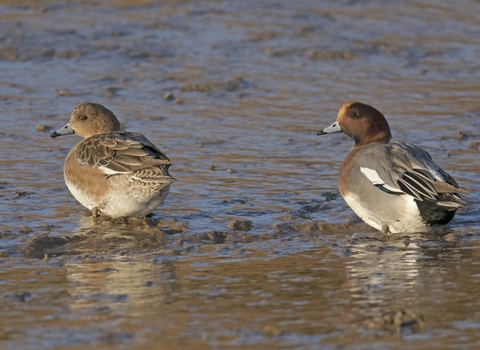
{"x": 373, "y": 176}
{"x": 109, "y": 171}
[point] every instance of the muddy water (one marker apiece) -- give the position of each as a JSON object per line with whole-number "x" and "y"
{"x": 254, "y": 247}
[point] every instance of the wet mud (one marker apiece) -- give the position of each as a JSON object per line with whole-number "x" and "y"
{"x": 254, "y": 247}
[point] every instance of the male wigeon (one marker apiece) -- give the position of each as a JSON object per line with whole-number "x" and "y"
{"x": 394, "y": 187}
{"x": 118, "y": 174}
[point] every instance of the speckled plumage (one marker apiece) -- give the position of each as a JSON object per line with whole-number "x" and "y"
{"x": 117, "y": 174}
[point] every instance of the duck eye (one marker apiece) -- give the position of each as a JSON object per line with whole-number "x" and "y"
{"x": 83, "y": 117}
{"x": 353, "y": 114}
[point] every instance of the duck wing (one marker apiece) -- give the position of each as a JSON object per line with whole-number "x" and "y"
{"x": 121, "y": 153}
{"x": 401, "y": 168}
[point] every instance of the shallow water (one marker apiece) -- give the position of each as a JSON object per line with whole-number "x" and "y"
{"x": 255, "y": 248}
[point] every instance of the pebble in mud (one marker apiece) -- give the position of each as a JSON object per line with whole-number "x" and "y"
{"x": 335, "y": 55}
{"x": 171, "y": 226}
{"x": 308, "y": 226}
{"x": 20, "y": 194}
{"x": 244, "y": 237}
{"x": 474, "y": 145}
{"x": 38, "y": 246}
{"x": 451, "y": 237}
{"x": 233, "y": 84}
{"x": 111, "y": 92}
{"x": 263, "y": 36}
{"x": 21, "y": 296}
{"x": 43, "y": 128}
{"x": 461, "y": 135}
{"x": 240, "y": 225}
{"x": 398, "y": 322}
{"x": 64, "y": 92}
{"x": 169, "y": 97}
{"x": 149, "y": 222}
{"x": 272, "y": 331}
{"x": 217, "y": 236}
{"x": 25, "y": 230}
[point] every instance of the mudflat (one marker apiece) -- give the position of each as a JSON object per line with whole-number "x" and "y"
{"x": 254, "y": 247}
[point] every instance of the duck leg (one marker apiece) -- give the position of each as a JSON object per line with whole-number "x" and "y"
{"x": 386, "y": 230}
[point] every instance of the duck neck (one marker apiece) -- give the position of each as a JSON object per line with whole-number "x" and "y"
{"x": 381, "y": 137}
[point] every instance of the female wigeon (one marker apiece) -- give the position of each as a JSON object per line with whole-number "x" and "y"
{"x": 393, "y": 186}
{"x": 118, "y": 174}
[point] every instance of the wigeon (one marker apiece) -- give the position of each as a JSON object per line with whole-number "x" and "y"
{"x": 394, "y": 187}
{"x": 114, "y": 173}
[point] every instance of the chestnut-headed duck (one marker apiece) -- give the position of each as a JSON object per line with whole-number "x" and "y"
{"x": 394, "y": 187}
{"x": 117, "y": 174}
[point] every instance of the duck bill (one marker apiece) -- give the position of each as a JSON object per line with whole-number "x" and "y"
{"x": 332, "y": 129}
{"x": 65, "y": 130}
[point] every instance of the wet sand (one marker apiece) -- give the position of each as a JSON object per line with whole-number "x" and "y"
{"x": 254, "y": 247}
